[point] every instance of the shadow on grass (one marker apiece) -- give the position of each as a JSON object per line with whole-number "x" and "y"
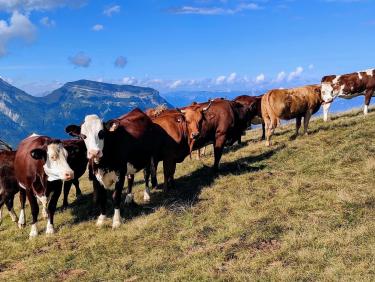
{"x": 185, "y": 195}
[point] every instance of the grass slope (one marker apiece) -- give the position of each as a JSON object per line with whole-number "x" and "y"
{"x": 300, "y": 210}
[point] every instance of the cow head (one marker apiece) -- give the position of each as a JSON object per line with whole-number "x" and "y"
{"x": 92, "y": 131}
{"x": 194, "y": 116}
{"x": 55, "y": 161}
{"x": 331, "y": 88}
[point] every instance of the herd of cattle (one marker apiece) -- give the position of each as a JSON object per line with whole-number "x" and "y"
{"x": 115, "y": 150}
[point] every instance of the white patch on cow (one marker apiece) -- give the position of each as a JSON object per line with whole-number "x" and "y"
{"x": 129, "y": 198}
{"x": 13, "y": 215}
{"x": 146, "y": 195}
{"x": 56, "y": 166}
{"x": 49, "y": 228}
{"x": 91, "y": 128}
{"x": 101, "y": 220}
{"x": 44, "y": 213}
{"x": 341, "y": 93}
{"x": 327, "y": 92}
{"x": 107, "y": 179}
{"x": 130, "y": 169}
{"x": 21, "y": 220}
{"x": 370, "y": 72}
{"x": 336, "y": 79}
{"x": 325, "y": 111}
{"x": 365, "y": 110}
{"x": 21, "y": 185}
{"x": 34, "y": 231}
{"x": 33, "y": 135}
{"x": 116, "y": 219}
{"x": 360, "y": 75}
{"x": 43, "y": 200}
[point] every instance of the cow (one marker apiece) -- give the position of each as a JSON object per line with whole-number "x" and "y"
{"x": 78, "y": 162}
{"x": 348, "y": 86}
{"x": 40, "y": 166}
{"x": 175, "y": 145}
{"x": 298, "y": 103}
{"x": 8, "y": 183}
{"x": 115, "y": 149}
{"x": 250, "y": 101}
{"x": 220, "y": 122}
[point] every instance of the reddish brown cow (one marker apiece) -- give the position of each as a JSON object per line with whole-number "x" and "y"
{"x": 298, "y": 103}
{"x": 220, "y": 122}
{"x": 348, "y": 86}
{"x": 253, "y": 101}
{"x": 175, "y": 146}
{"x": 8, "y": 184}
{"x": 40, "y": 164}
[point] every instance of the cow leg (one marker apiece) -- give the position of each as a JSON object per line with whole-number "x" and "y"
{"x": 129, "y": 196}
{"x": 263, "y": 131}
{"x": 298, "y": 126}
{"x": 326, "y": 107}
{"x": 169, "y": 168}
{"x": 9, "y": 204}
{"x": 117, "y": 200}
{"x": 270, "y": 129}
{"x": 34, "y": 212}
{"x": 21, "y": 219}
{"x": 100, "y": 198}
{"x": 218, "y": 151}
{"x": 154, "y": 169}
{"x": 78, "y": 190}
{"x": 306, "y": 121}
{"x": 1, "y": 209}
{"x": 368, "y": 96}
{"x": 51, "y": 208}
{"x": 67, "y": 186}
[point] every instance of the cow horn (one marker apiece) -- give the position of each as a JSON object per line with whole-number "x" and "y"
{"x": 181, "y": 111}
{"x": 8, "y": 147}
{"x": 206, "y": 108}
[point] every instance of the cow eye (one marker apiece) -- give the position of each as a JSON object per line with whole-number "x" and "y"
{"x": 101, "y": 134}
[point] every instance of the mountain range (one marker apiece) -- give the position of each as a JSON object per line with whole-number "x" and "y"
{"x": 22, "y": 114}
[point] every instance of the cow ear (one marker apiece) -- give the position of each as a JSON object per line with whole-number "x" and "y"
{"x": 112, "y": 125}
{"x": 39, "y": 154}
{"x": 73, "y": 130}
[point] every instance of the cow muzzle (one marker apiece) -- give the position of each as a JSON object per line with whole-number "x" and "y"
{"x": 94, "y": 155}
{"x": 194, "y": 135}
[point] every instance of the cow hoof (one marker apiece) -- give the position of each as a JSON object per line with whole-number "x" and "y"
{"x": 116, "y": 224}
{"x": 268, "y": 144}
{"x": 146, "y": 195}
{"x": 129, "y": 199}
{"x": 306, "y": 134}
{"x": 101, "y": 220}
{"x": 34, "y": 231}
{"x": 50, "y": 230}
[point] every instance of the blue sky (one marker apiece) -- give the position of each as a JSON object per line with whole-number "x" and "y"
{"x": 176, "y": 45}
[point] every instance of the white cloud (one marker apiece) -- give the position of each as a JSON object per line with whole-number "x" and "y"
{"x": 232, "y": 77}
{"x": 215, "y": 10}
{"x": 295, "y": 74}
{"x": 220, "y": 79}
{"x": 311, "y": 66}
{"x": 19, "y": 26}
{"x": 121, "y": 62}
{"x": 112, "y": 10}
{"x": 47, "y": 22}
{"x": 280, "y": 76}
{"x": 80, "y": 60}
{"x": 129, "y": 80}
{"x": 260, "y": 78}
{"x": 31, "y": 5}
{"x": 97, "y": 27}
{"x": 176, "y": 84}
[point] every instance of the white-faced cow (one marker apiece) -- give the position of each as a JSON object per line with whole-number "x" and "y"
{"x": 348, "y": 86}
{"x": 40, "y": 167}
{"x": 115, "y": 149}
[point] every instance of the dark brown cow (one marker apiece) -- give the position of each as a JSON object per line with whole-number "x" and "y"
{"x": 77, "y": 160}
{"x": 8, "y": 183}
{"x": 116, "y": 148}
{"x": 175, "y": 148}
{"x": 298, "y": 103}
{"x": 348, "y": 86}
{"x": 251, "y": 101}
{"x": 220, "y": 122}
{"x": 40, "y": 164}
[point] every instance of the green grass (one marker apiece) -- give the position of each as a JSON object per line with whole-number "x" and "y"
{"x": 299, "y": 210}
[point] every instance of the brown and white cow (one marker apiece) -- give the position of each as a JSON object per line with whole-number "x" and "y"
{"x": 298, "y": 103}
{"x": 40, "y": 167}
{"x": 8, "y": 183}
{"x": 348, "y": 86}
{"x": 253, "y": 101}
{"x": 220, "y": 122}
{"x": 115, "y": 149}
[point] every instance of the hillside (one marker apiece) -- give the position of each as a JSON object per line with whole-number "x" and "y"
{"x": 22, "y": 114}
{"x": 300, "y": 210}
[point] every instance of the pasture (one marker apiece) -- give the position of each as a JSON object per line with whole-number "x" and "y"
{"x": 299, "y": 210}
